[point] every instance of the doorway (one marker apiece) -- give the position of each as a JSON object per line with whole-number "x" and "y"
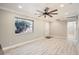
{"x": 71, "y": 30}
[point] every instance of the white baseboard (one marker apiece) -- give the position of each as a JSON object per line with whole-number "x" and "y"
{"x": 20, "y": 44}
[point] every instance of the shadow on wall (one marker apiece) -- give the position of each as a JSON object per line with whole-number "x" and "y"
{"x": 1, "y": 51}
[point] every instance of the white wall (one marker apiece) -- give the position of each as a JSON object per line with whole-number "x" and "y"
{"x": 58, "y": 29}
{"x": 7, "y": 29}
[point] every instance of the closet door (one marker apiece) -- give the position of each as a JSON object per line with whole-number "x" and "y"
{"x": 46, "y": 28}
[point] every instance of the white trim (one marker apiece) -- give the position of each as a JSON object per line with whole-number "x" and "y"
{"x": 20, "y": 44}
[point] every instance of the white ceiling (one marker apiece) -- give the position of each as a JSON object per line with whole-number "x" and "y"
{"x": 69, "y": 9}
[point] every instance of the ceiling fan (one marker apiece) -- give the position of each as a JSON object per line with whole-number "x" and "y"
{"x": 46, "y": 12}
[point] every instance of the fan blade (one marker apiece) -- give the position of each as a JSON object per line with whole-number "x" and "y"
{"x": 39, "y": 11}
{"x": 46, "y": 9}
{"x": 53, "y": 11}
{"x": 44, "y": 16}
{"x": 50, "y": 15}
{"x": 40, "y": 15}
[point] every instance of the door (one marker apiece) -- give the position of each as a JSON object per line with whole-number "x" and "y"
{"x": 46, "y": 28}
{"x": 71, "y": 30}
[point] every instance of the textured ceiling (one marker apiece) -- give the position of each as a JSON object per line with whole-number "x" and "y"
{"x": 30, "y": 9}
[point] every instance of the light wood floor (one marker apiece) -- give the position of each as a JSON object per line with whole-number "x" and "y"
{"x": 53, "y": 46}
